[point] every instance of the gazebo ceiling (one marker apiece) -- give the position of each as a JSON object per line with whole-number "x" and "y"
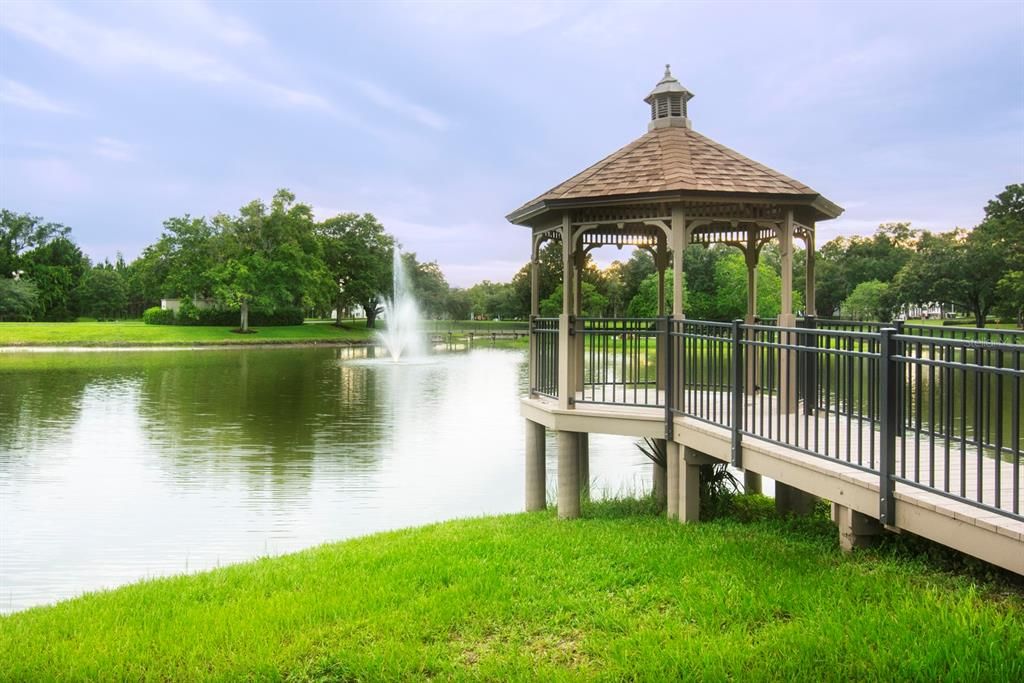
{"x": 672, "y": 162}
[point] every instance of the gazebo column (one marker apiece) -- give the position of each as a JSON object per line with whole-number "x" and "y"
{"x": 568, "y": 442}
{"x": 534, "y": 311}
{"x": 578, "y": 262}
{"x": 674, "y": 484}
{"x": 809, "y": 304}
{"x": 566, "y": 345}
{"x": 787, "y": 361}
{"x": 661, "y": 263}
{"x": 788, "y": 500}
{"x": 751, "y": 480}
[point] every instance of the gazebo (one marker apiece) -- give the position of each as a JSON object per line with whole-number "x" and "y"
{"x": 667, "y": 189}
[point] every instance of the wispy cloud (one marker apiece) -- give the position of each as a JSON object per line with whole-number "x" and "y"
{"x": 397, "y": 104}
{"x": 114, "y": 149}
{"x": 21, "y": 95}
{"x": 101, "y": 47}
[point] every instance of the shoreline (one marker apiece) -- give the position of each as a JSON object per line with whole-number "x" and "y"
{"x": 183, "y": 346}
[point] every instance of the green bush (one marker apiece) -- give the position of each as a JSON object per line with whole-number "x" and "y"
{"x": 158, "y": 316}
{"x": 222, "y": 317}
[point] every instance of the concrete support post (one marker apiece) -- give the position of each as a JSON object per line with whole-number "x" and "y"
{"x": 672, "y": 478}
{"x": 583, "y": 448}
{"x": 792, "y": 501}
{"x": 536, "y": 467}
{"x": 856, "y": 530}
{"x": 689, "y": 485}
{"x": 660, "y": 475}
{"x": 568, "y": 475}
{"x": 751, "y": 482}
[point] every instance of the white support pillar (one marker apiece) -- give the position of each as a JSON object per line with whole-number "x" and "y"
{"x": 568, "y": 475}
{"x": 672, "y": 476}
{"x": 536, "y": 467}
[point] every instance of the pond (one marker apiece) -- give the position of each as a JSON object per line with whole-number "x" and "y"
{"x": 118, "y": 466}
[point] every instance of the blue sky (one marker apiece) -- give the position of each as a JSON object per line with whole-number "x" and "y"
{"x": 441, "y": 118}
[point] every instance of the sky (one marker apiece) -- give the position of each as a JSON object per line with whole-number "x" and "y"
{"x": 440, "y": 117}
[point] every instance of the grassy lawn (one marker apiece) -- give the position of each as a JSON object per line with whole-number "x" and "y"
{"x": 619, "y": 595}
{"x": 137, "y": 333}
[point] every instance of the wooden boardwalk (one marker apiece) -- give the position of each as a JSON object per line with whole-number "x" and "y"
{"x": 835, "y": 457}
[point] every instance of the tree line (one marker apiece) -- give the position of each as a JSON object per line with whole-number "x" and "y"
{"x": 276, "y": 256}
{"x": 979, "y": 271}
{"x": 268, "y": 257}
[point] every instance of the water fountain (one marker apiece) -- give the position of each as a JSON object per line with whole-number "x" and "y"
{"x": 403, "y": 337}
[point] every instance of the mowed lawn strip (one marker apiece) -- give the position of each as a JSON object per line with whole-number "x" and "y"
{"x": 137, "y": 333}
{"x": 622, "y": 594}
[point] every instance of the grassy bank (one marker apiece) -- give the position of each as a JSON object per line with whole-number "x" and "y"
{"x": 621, "y": 594}
{"x": 137, "y": 333}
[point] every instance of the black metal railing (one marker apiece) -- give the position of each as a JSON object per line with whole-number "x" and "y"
{"x": 961, "y": 430}
{"x": 544, "y": 360}
{"x": 940, "y": 414}
{"x": 619, "y": 361}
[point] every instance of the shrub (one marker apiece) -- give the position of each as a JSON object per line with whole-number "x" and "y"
{"x": 158, "y": 316}
{"x": 224, "y": 317}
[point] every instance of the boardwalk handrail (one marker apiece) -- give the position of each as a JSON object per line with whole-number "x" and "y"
{"x": 938, "y": 414}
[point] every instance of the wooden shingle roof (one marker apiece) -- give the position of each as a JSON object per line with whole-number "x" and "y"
{"x": 674, "y": 160}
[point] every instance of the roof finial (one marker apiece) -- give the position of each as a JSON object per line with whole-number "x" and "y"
{"x": 668, "y": 103}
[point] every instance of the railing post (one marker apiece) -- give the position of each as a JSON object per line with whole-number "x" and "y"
{"x": 737, "y": 392}
{"x": 888, "y": 389}
{"x": 669, "y": 381}
{"x": 901, "y": 389}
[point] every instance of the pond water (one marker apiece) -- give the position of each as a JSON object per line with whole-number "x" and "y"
{"x": 117, "y": 466}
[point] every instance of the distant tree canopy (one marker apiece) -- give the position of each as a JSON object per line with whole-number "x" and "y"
{"x": 277, "y": 256}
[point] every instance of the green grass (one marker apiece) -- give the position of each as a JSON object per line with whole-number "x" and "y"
{"x": 137, "y": 333}
{"x": 619, "y": 595}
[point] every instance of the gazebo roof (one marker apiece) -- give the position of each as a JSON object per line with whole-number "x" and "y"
{"x": 670, "y": 162}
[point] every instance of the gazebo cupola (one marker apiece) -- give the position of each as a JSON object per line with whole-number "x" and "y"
{"x": 668, "y": 103}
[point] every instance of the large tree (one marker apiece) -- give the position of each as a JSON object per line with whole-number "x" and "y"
{"x": 102, "y": 293}
{"x": 18, "y": 299}
{"x": 56, "y": 268}
{"x": 358, "y": 256}
{"x": 268, "y": 257}
{"x": 428, "y": 285}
